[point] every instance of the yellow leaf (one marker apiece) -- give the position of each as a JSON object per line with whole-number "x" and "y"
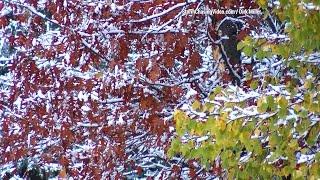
{"x": 247, "y": 40}
{"x": 260, "y": 101}
{"x": 224, "y": 116}
{"x": 241, "y": 136}
{"x": 179, "y": 117}
{"x": 192, "y": 132}
{"x": 297, "y": 107}
{"x": 266, "y": 47}
{"x": 211, "y": 109}
{"x": 196, "y": 105}
{"x": 257, "y": 132}
{"x": 221, "y": 125}
{"x": 297, "y": 174}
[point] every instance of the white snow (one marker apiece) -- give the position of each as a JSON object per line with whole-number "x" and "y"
{"x": 171, "y": 129}
{"x": 40, "y": 95}
{"x": 85, "y": 108}
{"x": 190, "y": 93}
{"x": 245, "y": 158}
{"x": 88, "y": 124}
{"x": 202, "y": 139}
{"x": 120, "y": 120}
{"x": 83, "y": 96}
{"x": 113, "y": 7}
{"x": 305, "y": 158}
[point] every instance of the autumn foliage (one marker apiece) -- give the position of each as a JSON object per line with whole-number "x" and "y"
{"x": 94, "y": 84}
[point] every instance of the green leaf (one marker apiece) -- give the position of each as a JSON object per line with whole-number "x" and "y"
{"x": 271, "y": 103}
{"x": 283, "y": 102}
{"x": 262, "y": 108}
{"x": 263, "y": 3}
{"x": 303, "y": 114}
{"x": 282, "y": 113}
{"x": 176, "y": 144}
{"x": 212, "y": 96}
{"x": 218, "y": 90}
{"x": 298, "y": 175}
{"x": 260, "y": 54}
{"x": 293, "y": 64}
{"x": 196, "y": 104}
{"x": 275, "y": 140}
{"x": 287, "y": 170}
{"x": 281, "y": 50}
{"x": 283, "y": 3}
{"x": 171, "y": 152}
{"x": 248, "y": 76}
{"x": 302, "y": 71}
{"x": 199, "y": 129}
{"x": 313, "y": 135}
{"x": 210, "y": 125}
{"x": 266, "y": 14}
{"x": 190, "y": 125}
{"x": 254, "y": 85}
{"x": 248, "y": 51}
{"x": 293, "y": 144}
{"x": 240, "y": 45}
{"x": 247, "y": 40}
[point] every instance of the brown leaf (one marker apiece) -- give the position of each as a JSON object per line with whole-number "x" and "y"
{"x": 89, "y": 85}
{"x": 168, "y": 38}
{"x": 226, "y": 77}
{"x": 157, "y": 2}
{"x": 192, "y": 173}
{"x": 154, "y": 73}
{"x": 168, "y": 60}
{"x": 33, "y": 67}
{"x": 228, "y": 4}
{"x": 142, "y": 64}
{"x": 3, "y": 22}
{"x": 139, "y": 170}
{"x": 64, "y": 161}
{"x": 195, "y": 61}
{"x": 62, "y": 174}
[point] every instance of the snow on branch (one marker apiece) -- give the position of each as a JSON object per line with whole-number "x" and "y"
{"x": 160, "y": 14}
{"x": 88, "y": 124}
{"x": 110, "y": 101}
{"x": 35, "y": 12}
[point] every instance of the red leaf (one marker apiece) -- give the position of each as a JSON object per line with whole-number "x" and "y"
{"x": 157, "y": 2}
{"x": 195, "y": 61}
{"x": 1, "y": 5}
{"x": 89, "y": 85}
{"x": 146, "y": 7}
{"x": 117, "y": 176}
{"x": 243, "y": 34}
{"x": 139, "y": 170}
{"x": 32, "y": 2}
{"x": 64, "y": 161}
{"x": 154, "y": 73}
{"x": 142, "y": 64}
{"x": 33, "y": 67}
{"x": 228, "y": 3}
{"x": 192, "y": 173}
{"x": 176, "y": 168}
{"x": 3, "y": 22}
{"x": 183, "y": 40}
{"x": 168, "y": 38}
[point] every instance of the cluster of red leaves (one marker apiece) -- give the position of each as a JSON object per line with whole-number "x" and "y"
{"x": 51, "y": 73}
